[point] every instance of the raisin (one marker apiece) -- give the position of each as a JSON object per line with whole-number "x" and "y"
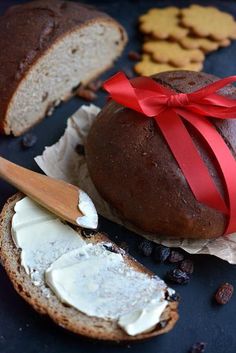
{"x": 134, "y": 56}
{"x": 161, "y": 253}
{"x": 178, "y": 276}
{"x": 146, "y": 247}
{"x": 187, "y": 266}
{"x": 29, "y": 140}
{"x": 86, "y": 94}
{"x": 198, "y": 347}
{"x": 224, "y": 293}
{"x": 95, "y": 85}
{"x": 175, "y": 256}
{"x": 123, "y": 245}
{"x": 80, "y": 149}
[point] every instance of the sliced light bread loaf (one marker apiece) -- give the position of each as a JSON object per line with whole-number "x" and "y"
{"x": 47, "y": 48}
{"x": 64, "y": 315}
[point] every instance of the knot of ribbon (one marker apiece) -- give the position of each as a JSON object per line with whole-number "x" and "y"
{"x": 177, "y": 100}
{"x": 170, "y": 111}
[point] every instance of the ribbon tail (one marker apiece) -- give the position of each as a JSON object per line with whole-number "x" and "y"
{"x": 224, "y": 158}
{"x": 121, "y": 91}
{"x": 189, "y": 160}
{"x": 140, "y": 94}
{"x": 212, "y": 88}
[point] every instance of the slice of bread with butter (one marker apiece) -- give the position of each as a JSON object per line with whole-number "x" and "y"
{"x": 86, "y": 285}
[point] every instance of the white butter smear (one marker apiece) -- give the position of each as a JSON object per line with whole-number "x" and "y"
{"x": 41, "y": 236}
{"x": 90, "y": 216}
{"x": 90, "y": 277}
{"x": 99, "y": 283}
{"x": 63, "y": 162}
{"x": 136, "y": 321}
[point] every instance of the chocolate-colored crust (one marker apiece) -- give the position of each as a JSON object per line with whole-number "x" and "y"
{"x": 41, "y": 23}
{"x": 134, "y": 170}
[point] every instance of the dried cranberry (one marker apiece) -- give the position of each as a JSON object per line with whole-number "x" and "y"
{"x": 134, "y": 56}
{"x": 224, "y": 293}
{"x": 175, "y": 256}
{"x": 178, "y": 276}
{"x": 95, "y": 85}
{"x": 86, "y": 94}
{"x": 29, "y": 140}
{"x": 146, "y": 247}
{"x": 161, "y": 253}
{"x": 187, "y": 266}
{"x": 198, "y": 347}
{"x": 80, "y": 149}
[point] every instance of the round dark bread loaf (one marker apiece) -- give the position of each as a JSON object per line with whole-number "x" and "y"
{"x": 134, "y": 170}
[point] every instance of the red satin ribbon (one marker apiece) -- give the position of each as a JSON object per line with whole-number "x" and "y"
{"x": 168, "y": 109}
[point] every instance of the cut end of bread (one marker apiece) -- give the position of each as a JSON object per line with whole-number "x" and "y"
{"x": 66, "y": 316}
{"x": 77, "y": 57}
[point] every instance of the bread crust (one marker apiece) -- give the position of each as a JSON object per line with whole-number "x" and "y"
{"x": 50, "y": 21}
{"x": 65, "y": 316}
{"x": 154, "y": 194}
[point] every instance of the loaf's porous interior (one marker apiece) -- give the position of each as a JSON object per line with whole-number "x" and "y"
{"x": 77, "y": 57}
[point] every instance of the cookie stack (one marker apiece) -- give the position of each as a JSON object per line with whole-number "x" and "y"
{"x": 180, "y": 38}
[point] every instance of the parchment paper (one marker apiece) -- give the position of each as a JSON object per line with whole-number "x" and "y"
{"x": 63, "y": 162}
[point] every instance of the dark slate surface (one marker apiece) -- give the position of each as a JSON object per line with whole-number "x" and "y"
{"x": 23, "y": 330}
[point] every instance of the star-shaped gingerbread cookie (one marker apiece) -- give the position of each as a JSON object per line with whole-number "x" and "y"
{"x": 163, "y": 23}
{"x": 164, "y": 51}
{"x": 147, "y": 67}
{"x": 207, "y": 45}
{"x": 209, "y": 22}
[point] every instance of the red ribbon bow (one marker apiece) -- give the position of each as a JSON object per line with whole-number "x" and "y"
{"x": 168, "y": 109}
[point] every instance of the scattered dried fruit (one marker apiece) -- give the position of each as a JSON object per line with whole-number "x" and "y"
{"x": 187, "y": 266}
{"x": 80, "y": 149}
{"x": 198, "y": 347}
{"x": 224, "y": 293}
{"x": 134, "y": 56}
{"x": 161, "y": 253}
{"x": 146, "y": 247}
{"x": 86, "y": 94}
{"x": 29, "y": 140}
{"x": 175, "y": 256}
{"x": 95, "y": 85}
{"x": 178, "y": 276}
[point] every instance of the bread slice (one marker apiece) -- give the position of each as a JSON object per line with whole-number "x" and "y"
{"x": 63, "y": 315}
{"x": 47, "y": 48}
